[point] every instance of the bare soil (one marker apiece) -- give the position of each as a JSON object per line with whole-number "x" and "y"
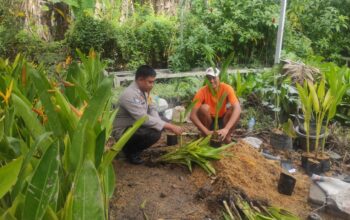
{"x": 163, "y": 191}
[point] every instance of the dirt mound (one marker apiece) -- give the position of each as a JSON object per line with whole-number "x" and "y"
{"x": 258, "y": 177}
{"x": 172, "y": 192}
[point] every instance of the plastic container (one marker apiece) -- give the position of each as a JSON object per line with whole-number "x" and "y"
{"x": 251, "y": 124}
{"x": 171, "y": 139}
{"x": 286, "y": 184}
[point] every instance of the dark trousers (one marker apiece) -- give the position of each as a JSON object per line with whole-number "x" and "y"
{"x": 141, "y": 140}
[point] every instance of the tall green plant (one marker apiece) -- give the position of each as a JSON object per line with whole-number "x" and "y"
{"x": 57, "y": 158}
{"x": 306, "y": 106}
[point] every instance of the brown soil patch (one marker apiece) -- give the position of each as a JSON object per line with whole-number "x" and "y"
{"x": 258, "y": 177}
{"x": 172, "y": 192}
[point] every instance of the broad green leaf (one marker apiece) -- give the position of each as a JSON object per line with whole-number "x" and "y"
{"x": 87, "y": 195}
{"x": 42, "y": 186}
{"x": 2, "y": 125}
{"x": 9, "y": 174}
{"x": 10, "y": 213}
{"x": 100, "y": 147}
{"x": 42, "y": 142}
{"x": 109, "y": 181}
{"x": 43, "y": 88}
{"x": 321, "y": 90}
{"x": 24, "y": 111}
{"x": 50, "y": 214}
{"x": 68, "y": 117}
{"x": 76, "y": 150}
{"x": 313, "y": 94}
{"x": 90, "y": 117}
{"x": 111, "y": 153}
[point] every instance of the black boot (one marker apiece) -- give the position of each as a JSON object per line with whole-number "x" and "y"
{"x": 135, "y": 159}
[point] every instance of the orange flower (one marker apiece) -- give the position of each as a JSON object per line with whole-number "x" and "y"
{"x": 6, "y": 96}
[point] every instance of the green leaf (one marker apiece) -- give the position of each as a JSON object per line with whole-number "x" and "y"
{"x": 24, "y": 110}
{"x": 41, "y": 188}
{"x": 315, "y": 101}
{"x": 100, "y": 147}
{"x": 111, "y": 153}
{"x": 86, "y": 124}
{"x": 109, "y": 181}
{"x": 321, "y": 90}
{"x": 10, "y": 213}
{"x": 43, "y": 86}
{"x": 9, "y": 174}
{"x": 42, "y": 142}
{"x": 87, "y": 196}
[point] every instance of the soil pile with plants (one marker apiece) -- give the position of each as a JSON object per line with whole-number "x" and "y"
{"x": 258, "y": 178}
{"x": 172, "y": 192}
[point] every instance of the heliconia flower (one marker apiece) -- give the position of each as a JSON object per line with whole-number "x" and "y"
{"x": 79, "y": 112}
{"x": 6, "y": 96}
{"x": 92, "y": 54}
{"x": 69, "y": 60}
{"x": 67, "y": 84}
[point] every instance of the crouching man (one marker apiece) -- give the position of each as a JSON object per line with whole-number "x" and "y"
{"x": 203, "y": 113}
{"x": 135, "y": 102}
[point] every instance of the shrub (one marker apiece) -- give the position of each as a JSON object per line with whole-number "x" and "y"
{"x": 144, "y": 38}
{"x": 216, "y": 30}
{"x": 88, "y": 32}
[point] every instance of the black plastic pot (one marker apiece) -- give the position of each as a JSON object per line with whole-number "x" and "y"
{"x": 281, "y": 141}
{"x": 302, "y": 140}
{"x": 312, "y": 128}
{"x": 286, "y": 184}
{"x": 171, "y": 139}
{"x": 313, "y": 167}
{"x": 215, "y": 143}
{"x": 325, "y": 164}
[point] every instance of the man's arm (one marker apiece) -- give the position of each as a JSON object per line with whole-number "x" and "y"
{"x": 194, "y": 118}
{"x": 236, "y": 112}
{"x": 137, "y": 108}
{"x": 174, "y": 128}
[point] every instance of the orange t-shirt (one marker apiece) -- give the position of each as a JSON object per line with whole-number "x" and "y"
{"x": 204, "y": 96}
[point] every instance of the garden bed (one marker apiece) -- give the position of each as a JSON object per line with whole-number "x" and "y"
{"x": 172, "y": 192}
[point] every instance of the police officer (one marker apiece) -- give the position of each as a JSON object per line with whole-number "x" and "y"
{"x": 135, "y": 102}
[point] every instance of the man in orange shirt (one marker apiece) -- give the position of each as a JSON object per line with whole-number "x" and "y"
{"x": 203, "y": 113}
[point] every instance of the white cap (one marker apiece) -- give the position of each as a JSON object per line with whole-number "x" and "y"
{"x": 212, "y": 72}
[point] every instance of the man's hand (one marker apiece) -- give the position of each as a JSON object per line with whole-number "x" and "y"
{"x": 208, "y": 132}
{"x": 223, "y": 133}
{"x": 174, "y": 128}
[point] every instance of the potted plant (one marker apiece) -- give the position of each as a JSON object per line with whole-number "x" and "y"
{"x": 316, "y": 100}
{"x": 179, "y": 117}
{"x": 215, "y": 140}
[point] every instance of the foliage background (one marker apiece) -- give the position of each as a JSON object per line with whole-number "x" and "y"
{"x": 181, "y": 37}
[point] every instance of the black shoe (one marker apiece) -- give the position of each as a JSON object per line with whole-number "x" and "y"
{"x": 135, "y": 159}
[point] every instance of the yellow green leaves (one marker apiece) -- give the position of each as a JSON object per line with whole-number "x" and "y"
{"x": 198, "y": 152}
{"x": 315, "y": 102}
